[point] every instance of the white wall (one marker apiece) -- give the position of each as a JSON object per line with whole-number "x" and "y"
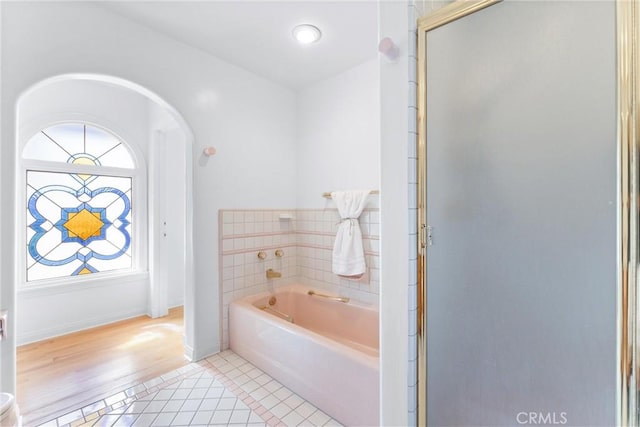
{"x": 249, "y": 119}
{"x": 252, "y": 123}
{"x": 394, "y": 207}
{"x": 362, "y": 114}
{"x": 168, "y": 213}
{"x": 7, "y": 293}
{"x": 46, "y": 312}
{"x": 176, "y": 218}
{"x": 338, "y": 135}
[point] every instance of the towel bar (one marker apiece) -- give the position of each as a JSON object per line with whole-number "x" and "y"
{"x": 285, "y": 316}
{"x": 328, "y": 195}
{"x": 341, "y": 299}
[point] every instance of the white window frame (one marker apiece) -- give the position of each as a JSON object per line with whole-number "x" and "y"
{"x": 139, "y": 242}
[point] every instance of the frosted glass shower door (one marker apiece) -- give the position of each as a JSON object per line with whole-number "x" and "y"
{"x": 521, "y": 198}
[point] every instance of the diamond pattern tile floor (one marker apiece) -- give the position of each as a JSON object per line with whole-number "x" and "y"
{"x": 222, "y": 390}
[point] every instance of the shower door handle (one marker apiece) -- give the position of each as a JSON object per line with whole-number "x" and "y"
{"x": 426, "y": 235}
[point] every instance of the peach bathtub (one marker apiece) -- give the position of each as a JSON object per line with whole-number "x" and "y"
{"x": 328, "y": 355}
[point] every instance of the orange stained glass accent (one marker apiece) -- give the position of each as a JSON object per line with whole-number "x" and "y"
{"x": 84, "y": 224}
{"x": 84, "y": 161}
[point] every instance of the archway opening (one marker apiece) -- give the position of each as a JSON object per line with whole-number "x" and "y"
{"x": 157, "y": 231}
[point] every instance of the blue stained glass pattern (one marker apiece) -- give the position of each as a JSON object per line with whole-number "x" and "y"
{"x": 77, "y": 224}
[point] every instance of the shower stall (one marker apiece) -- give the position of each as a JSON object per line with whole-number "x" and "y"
{"x": 522, "y": 198}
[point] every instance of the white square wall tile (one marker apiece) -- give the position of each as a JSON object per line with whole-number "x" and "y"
{"x": 412, "y": 78}
{"x": 238, "y": 228}
{"x": 227, "y": 285}
{"x": 412, "y": 374}
{"x": 227, "y": 260}
{"x": 238, "y": 244}
{"x": 227, "y": 217}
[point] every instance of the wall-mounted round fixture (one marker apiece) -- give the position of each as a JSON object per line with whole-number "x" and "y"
{"x": 306, "y": 33}
{"x": 388, "y": 48}
{"x": 209, "y": 151}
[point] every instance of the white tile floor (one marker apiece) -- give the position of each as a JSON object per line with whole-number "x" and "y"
{"x": 222, "y": 390}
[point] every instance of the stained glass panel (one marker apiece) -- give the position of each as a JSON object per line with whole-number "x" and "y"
{"x": 78, "y": 143}
{"x": 77, "y": 224}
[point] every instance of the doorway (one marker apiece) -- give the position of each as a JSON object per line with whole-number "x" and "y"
{"x": 518, "y": 150}
{"x": 154, "y": 133}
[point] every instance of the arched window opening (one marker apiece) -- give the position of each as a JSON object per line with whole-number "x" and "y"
{"x": 79, "y": 184}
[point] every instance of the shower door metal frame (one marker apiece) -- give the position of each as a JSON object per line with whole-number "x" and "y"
{"x": 628, "y": 240}
{"x": 445, "y": 15}
{"x": 628, "y": 115}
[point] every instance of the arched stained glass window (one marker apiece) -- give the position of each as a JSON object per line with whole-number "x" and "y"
{"x": 79, "y": 213}
{"x": 77, "y": 143}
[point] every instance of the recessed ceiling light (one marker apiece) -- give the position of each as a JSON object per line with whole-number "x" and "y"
{"x": 307, "y": 33}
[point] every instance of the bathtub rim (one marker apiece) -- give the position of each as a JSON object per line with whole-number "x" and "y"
{"x": 247, "y": 303}
{"x": 303, "y": 289}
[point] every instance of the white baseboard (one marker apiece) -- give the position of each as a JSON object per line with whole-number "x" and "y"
{"x": 204, "y": 353}
{"x": 64, "y": 329}
{"x": 188, "y": 352}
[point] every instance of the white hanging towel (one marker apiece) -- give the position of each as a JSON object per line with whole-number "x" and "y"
{"x": 348, "y": 253}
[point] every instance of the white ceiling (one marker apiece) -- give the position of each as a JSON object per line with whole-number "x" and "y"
{"x": 256, "y": 35}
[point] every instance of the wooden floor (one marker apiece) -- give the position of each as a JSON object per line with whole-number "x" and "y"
{"x": 65, "y": 373}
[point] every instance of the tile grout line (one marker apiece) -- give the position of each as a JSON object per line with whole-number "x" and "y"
{"x": 204, "y": 365}
{"x": 134, "y": 396}
{"x": 247, "y": 399}
{"x": 233, "y": 384}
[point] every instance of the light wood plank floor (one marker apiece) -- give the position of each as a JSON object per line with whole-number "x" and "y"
{"x": 65, "y": 373}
